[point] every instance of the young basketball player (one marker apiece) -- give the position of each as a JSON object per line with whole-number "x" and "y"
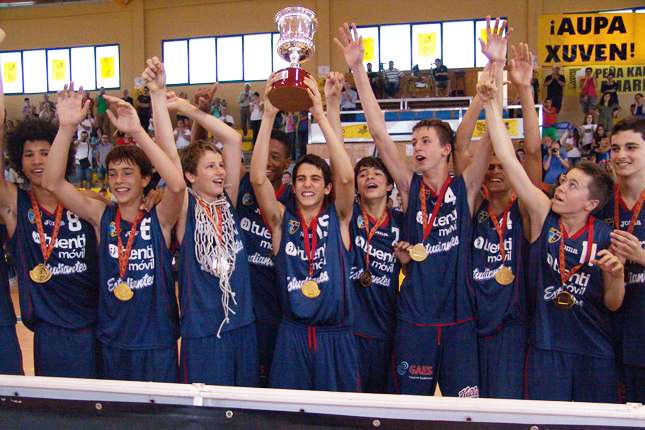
{"x": 435, "y": 337}
{"x": 315, "y": 346}
{"x": 138, "y": 318}
{"x": 55, "y": 260}
{"x": 576, "y": 281}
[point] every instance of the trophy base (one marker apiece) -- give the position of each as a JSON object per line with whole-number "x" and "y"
{"x": 289, "y": 94}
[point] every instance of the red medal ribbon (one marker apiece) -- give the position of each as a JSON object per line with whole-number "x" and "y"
{"x": 372, "y": 232}
{"x": 501, "y": 230}
{"x": 565, "y": 274}
{"x": 427, "y": 225}
{"x": 124, "y": 254}
{"x": 635, "y": 211}
{"x": 310, "y": 249}
{"x": 44, "y": 248}
{"x": 209, "y": 214}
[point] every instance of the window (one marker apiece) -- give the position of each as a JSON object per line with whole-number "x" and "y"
{"x": 229, "y": 59}
{"x": 34, "y": 66}
{"x": 395, "y": 46}
{"x": 11, "y": 69}
{"x": 202, "y": 56}
{"x": 108, "y": 70}
{"x": 370, "y": 46}
{"x": 426, "y": 44}
{"x": 57, "y": 69}
{"x": 257, "y": 57}
{"x": 175, "y": 55}
{"x": 83, "y": 67}
{"x": 480, "y": 32}
{"x": 458, "y": 44}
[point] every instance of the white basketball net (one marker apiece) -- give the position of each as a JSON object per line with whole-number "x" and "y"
{"x": 216, "y": 255}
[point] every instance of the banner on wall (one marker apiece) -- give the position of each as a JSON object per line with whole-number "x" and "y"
{"x": 427, "y": 43}
{"x": 368, "y": 49}
{"x": 630, "y": 79}
{"x": 107, "y": 67}
{"x": 9, "y": 74}
{"x": 586, "y": 39}
{"x": 59, "y": 70}
{"x": 514, "y": 126}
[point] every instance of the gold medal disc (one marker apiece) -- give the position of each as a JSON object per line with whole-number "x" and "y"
{"x": 504, "y": 276}
{"x": 123, "y": 292}
{"x": 40, "y": 274}
{"x": 564, "y": 300}
{"x": 418, "y": 252}
{"x": 365, "y": 279}
{"x": 310, "y": 289}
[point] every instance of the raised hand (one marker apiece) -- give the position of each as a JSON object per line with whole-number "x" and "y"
{"x": 334, "y": 86}
{"x": 495, "y": 45}
{"x": 609, "y": 263}
{"x": 486, "y": 87}
{"x": 402, "y": 252}
{"x": 70, "y": 108}
{"x": 176, "y": 103}
{"x": 269, "y": 109}
{"x": 351, "y": 44}
{"x": 154, "y": 75}
{"x": 521, "y": 70}
{"x": 204, "y": 96}
{"x": 314, "y": 94}
{"x": 125, "y": 118}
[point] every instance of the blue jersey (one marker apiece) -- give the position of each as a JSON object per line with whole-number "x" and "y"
{"x": 585, "y": 328}
{"x": 69, "y": 298}
{"x": 331, "y": 266}
{"x": 632, "y": 312}
{"x": 259, "y": 247}
{"x": 375, "y": 304}
{"x": 149, "y": 319}
{"x": 7, "y": 314}
{"x": 435, "y": 290}
{"x": 498, "y": 304}
{"x": 200, "y": 296}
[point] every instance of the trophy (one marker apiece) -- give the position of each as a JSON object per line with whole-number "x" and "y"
{"x": 297, "y": 26}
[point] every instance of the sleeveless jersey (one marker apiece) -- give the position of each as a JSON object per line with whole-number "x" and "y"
{"x": 375, "y": 305}
{"x": 585, "y": 328}
{"x": 435, "y": 290}
{"x": 200, "y": 297}
{"x": 498, "y": 304}
{"x": 332, "y": 263}
{"x": 632, "y": 313}
{"x": 70, "y": 298}
{"x": 7, "y": 314}
{"x": 257, "y": 243}
{"x": 149, "y": 320}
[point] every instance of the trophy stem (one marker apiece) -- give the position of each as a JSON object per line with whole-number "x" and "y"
{"x": 294, "y": 56}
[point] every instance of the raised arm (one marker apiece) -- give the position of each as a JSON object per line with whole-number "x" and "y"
{"x": 352, "y": 46}
{"x": 333, "y": 90}
{"x": 464, "y": 135}
{"x": 71, "y": 111}
{"x": 8, "y": 191}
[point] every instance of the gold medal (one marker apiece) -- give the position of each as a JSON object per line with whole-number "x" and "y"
{"x": 365, "y": 279}
{"x": 564, "y": 300}
{"x": 504, "y": 276}
{"x": 123, "y": 292}
{"x": 40, "y": 274}
{"x": 310, "y": 289}
{"x": 418, "y": 252}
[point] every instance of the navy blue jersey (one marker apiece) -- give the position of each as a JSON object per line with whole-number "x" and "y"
{"x": 331, "y": 266}
{"x": 435, "y": 290}
{"x": 585, "y": 328}
{"x": 69, "y": 298}
{"x": 375, "y": 305}
{"x": 259, "y": 247}
{"x": 200, "y": 297}
{"x": 149, "y": 319}
{"x": 498, "y": 304}
{"x": 632, "y": 312}
{"x": 7, "y": 314}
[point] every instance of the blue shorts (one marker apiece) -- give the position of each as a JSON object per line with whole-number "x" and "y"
{"x": 315, "y": 358}
{"x": 146, "y": 365}
{"x": 425, "y": 355}
{"x": 10, "y": 355}
{"x": 267, "y": 333}
{"x": 230, "y": 360}
{"x": 65, "y": 353}
{"x": 555, "y": 375}
{"x": 374, "y": 363}
{"x": 501, "y": 363}
{"x": 634, "y": 383}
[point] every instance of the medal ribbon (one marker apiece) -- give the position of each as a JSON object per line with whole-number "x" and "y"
{"x": 124, "y": 254}
{"x": 44, "y": 248}
{"x": 565, "y": 274}
{"x": 372, "y": 232}
{"x": 428, "y": 224}
{"x": 217, "y": 224}
{"x": 310, "y": 249}
{"x": 501, "y": 230}
{"x": 635, "y": 211}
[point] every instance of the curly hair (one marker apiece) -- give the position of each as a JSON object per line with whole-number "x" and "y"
{"x": 29, "y": 131}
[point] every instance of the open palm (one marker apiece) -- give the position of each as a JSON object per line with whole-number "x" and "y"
{"x": 125, "y": 118}
{"x": 521, "y": 72}
{"x": 334, "y": 85}
{"x": 351, "y": 44}
{"x": 495, "y": 45}
{"x": 69, "y": 106}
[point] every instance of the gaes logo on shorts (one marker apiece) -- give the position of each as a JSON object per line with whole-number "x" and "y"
{"x": 31, "y": 216}
{"x": 247, "y": 199}
{"x": 293, "y": 226}
{"x": 554, "y": 235}
{"x": 402, "y": 368}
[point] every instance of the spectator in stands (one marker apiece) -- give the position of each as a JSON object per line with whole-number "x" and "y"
{"x": 286, "y": 178}
{"x": 588, "y": 94}
{"x": 636, "y": 108}
{"x": 570, "y": 140}
{"x": 143, "y": 108}
{"x": 87, "y": 125}
{"x": 256, "y": 114}
{"x": 601, "y": 146}
{"x": 47, "y": 111}
{"x": 520, "y": 153}
{"x": 441, "y": 79}
{"x": 83, "y": 156}
{"x": 607, "y": 111}
{"x": 182, "y": 134}
{"x": 245, "y": 108}
{"x": 87, "y": 96}
{"x": 102, "y": 121}
{"x": 28, "y": 110}
{"x": 127, "y": 98}
{"x": 392, "y": 80}
{"x": 100, "y": 153}
{"x": 46, "y": 104}
{"x": 549, "y": 114}
{"x": 587, "y": 130}
{"x": 555, "y": 163}
{"x": 535, "y": 84}
{"x": 610, "y": 86}
{"x": 348, "y": 97}
{"x": 374, "y": 79}
{"x": 216, "y": 107}
{"x": 554, "y": 84}
{"x": 225, "y": 116}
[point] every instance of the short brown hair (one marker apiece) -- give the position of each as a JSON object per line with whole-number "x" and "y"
{"x": 318, "y": 162}
{"x": 443, "y": 130}
{"x": 601, "y": 184}
{"x": 132, "y": 154}
{"x": 637, "y": 125}
{"x": 191, "y": 154}
{"x": 374, "y": 162}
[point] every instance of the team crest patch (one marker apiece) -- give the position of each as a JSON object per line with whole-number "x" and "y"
{"x": 609, "y": 221}
{"x": 31, "y": 216}
{"x": 112, "y": 229}
{"x": 360, "y": 222}
{"x": 482, "y": 217}
{"x": 293, "y": 226}
{"x": 554, "y": 235}
{"x": 247, "y": 199}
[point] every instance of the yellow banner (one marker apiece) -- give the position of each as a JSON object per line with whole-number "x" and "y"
{"x": 59, "y": 72}
{"x": 585, "y": 39}
{"x": 107, "y": 67}
{"x": 9, "y": 74}
{"x": 512, "y": 125}
{"x": 368, "y": 49}
{"x": 356, "y": 131}
{"x": 427, "y": 47}
{"x": 630, "y": 79}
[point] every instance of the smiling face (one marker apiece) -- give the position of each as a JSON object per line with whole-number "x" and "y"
{"x": 309, "y": 186}
{"x": 495, "y": 178}
{"x": 209, "y": 175}
{"x": 372, "y": 184}
{"x": 278, "y": 160}
{"x": 429, "y": 151}
{"x": 126, "y": 181}
{"x": 34, "y": 159}
{"x": 627, "y": 153}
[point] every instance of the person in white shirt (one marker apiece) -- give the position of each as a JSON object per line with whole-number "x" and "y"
{"x": 348, "y": 97}
{"x": 182, "y": 134}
